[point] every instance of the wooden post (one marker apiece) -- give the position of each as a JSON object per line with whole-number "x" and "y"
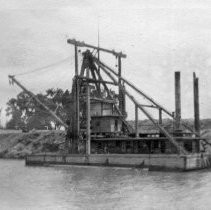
{"x": 119, "y": 68}
{"x": 76, "y": 60}
{"x": 177, "y": 101}
{"x": 77, "y": 113}
{"x": 160, "y": 116}
{"x": 88, "y": 117}
{"x": 119, "y": 82}
{"x": 196, "y": 104}
{"x": 121, "y": 92}
{"x": 136, "y": 120}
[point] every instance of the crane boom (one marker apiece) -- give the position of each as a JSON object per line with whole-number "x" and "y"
{"x": 14, "y": 80}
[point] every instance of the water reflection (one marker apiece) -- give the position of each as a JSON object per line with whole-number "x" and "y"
{"x": 72, "y": 187}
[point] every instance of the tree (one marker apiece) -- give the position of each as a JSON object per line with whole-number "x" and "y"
{"x": 25, "y": 111}
{"x": 13, "y": 110}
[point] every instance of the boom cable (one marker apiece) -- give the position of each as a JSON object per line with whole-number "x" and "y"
{"x": 44, "y": 67}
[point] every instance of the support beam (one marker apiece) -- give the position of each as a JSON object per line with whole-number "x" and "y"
{"x": 83, "y": 44}
{"x": 149, "y": 106}
{"x": 132, "y": 86}
{"x": 196, "y": 104}
{"x": 101, "y": 79}
{"x": 177, "y": 101}
{"x": 136, "y": 120}
{"x": 88, "y": 118}
{"x": 160, "y": 117}
{"x": 97, "y": 84}
{"x": 95, "y": 80}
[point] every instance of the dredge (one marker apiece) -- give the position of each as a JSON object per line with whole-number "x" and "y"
{"x": 101, "y": 134}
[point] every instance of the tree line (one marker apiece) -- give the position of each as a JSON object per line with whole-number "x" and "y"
{"x": 26, "y": 113}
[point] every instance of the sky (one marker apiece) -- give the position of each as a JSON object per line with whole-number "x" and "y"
{"x": 159, "y": 38}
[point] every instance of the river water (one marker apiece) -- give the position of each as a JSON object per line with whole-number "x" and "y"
{"x": 73, "y": 187}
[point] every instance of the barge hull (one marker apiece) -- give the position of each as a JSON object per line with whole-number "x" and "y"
{"x": 171, "y": 162}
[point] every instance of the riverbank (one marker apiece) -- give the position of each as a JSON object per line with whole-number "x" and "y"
{"x": 18, "y": 145}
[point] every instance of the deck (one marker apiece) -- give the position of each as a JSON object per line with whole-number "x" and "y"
{"x": 169, "y": 162}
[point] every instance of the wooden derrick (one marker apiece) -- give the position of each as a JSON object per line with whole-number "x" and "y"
{"x": 94, "y": 102}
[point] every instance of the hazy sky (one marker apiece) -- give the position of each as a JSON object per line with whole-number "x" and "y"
{"x": 159, "y": 37}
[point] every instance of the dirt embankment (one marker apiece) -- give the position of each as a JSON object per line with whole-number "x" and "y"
{"x": 18, "y": 145}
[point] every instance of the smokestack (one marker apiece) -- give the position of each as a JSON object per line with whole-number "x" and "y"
{"x": 177, "y": 101}
{"x": 196, "y": 104}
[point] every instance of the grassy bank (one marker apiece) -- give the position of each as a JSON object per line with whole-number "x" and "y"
{"x": 18, "y": 145}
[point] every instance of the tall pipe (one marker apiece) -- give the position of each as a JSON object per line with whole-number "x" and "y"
{"x": 77, "y": 115}
{"x": 196, "y": 104}
{"x": 121, "y": 93}
{"x": 177, "y": 101}
{"x": 119, "y": 81}
{"x": 88, "y": 117}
